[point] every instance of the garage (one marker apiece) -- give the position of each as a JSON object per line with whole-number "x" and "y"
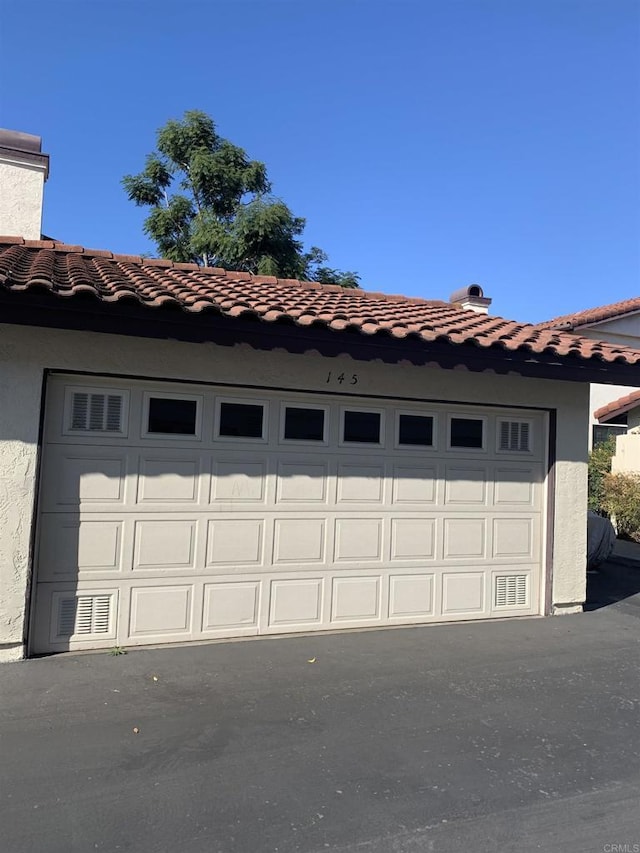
{"x": 176, "y": 511}
{"x": 191, "y": 454}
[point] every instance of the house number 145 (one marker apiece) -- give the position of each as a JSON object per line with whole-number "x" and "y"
{"x": 339, "y": 378}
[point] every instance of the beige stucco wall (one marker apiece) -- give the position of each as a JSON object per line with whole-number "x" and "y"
{"x": 26, "y": 352}
{"x": 627, "y": 455}
{"x": 21, "y": 199}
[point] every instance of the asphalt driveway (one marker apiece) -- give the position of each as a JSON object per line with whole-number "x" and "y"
{"x": 512, "y": 736}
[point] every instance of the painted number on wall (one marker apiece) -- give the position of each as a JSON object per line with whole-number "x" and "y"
{"x": 335, "y": 378}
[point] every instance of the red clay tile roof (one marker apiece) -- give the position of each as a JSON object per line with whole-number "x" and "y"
{"x": 617, "y": 407}
{"x": 71, "y": 270}
{"x": 592, "y": 315}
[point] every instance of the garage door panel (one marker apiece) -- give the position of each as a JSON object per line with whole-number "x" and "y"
{"x": 162, "y": 612}
{"x": 239, "y": 479}
{"x": 411, "y": 596}
{"x": 360, "y": 483}
{"x": 231, "y": 605}
{"x": 463, "y": 593}
{"x": 358, "y": 539}
{"x": 356, "y": 599}
{"x": 466, "y": 484}
{"x": 170, "y": 478}
{"x": 235, "y": 542}
{"x": 465, "y": 538}
{"x": 74, "y": 478}
{"x": 299, "y": 540}
{"x": 302, "y": 481}
{"x": 296, "y": 602}
{"x": 413, "y": 539}
{"x": 67, "y": 546}
{"x": 414, "y": 484}
{"x": 219, "y": 537}
{"x": 165, "y": 544}
{"x": 515, "y": 486}
{"x": 514, "y": 538}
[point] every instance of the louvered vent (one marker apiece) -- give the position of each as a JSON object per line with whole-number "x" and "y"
{"x": 91, "y": 412}
{"x": 511, "y": 591}
{"x": 514, "y": 435}
{"x": 84, "y": 614}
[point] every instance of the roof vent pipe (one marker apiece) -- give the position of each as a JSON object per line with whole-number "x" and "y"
{"x": 471, "y": 298}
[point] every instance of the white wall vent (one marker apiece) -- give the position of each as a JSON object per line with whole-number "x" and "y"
{"x": 511, "y": 591}
{"x": 514, "y": 436}
{"x": 84, "y": 614}
{"x": 96, "y": 412}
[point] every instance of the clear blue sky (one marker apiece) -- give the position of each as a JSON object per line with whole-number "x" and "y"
{"x": 429, "y": 143}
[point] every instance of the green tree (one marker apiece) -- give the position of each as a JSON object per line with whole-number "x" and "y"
{"x": 621, "y": 500}
{"x": 599, "y": 468}
{"x": 213, "y": 206}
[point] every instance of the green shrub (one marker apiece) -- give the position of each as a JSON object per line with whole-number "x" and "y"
{"x": 599, "y": 467}
{"x": 621, "y": 499}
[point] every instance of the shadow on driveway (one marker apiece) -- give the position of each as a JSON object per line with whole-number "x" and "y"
{"x": 615, "y": 581}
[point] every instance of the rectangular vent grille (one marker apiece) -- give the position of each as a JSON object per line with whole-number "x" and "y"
{"x": 514, "y": 435}
{"x": 96, "y": 412}
{"x": 84, "y": 614}
{"x": 512, "y": 591}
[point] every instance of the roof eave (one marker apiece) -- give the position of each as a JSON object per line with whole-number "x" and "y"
{"x": 130, "y": 318}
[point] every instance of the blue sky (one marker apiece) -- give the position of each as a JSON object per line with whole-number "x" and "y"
{"x": 428, "y": 144}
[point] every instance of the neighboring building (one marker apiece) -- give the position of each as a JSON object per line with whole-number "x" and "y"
{"x": 619, "y": 325}
{"x": 627, "y": 456}
{"x": 189, "y": 454}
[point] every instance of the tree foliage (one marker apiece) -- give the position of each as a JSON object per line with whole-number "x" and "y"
{"x": 212, "y": 205}
{"x": 599, "y": 467}
{"x": 621, "y": 500}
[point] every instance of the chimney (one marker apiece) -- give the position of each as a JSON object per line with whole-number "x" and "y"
{"x": 471, "y": 298}
{"x": 23, "y": 171}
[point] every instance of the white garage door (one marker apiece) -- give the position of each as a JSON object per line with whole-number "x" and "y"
{"x": 172, "y": 512}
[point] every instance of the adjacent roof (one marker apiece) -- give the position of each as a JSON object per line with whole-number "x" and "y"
{"x": 592, "y": 315}
{"x": 70, "y": 271}
{"x": 617, "y": 407}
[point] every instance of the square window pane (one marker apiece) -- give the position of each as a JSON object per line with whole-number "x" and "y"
{"x": 172, "y": 417}
{"x": 303, "y": 424}
{"x": 466, "y": 432}
{"x": 362, "y": 426}
{"x": 241, "y": 420}
{"x": 415, "y": 430}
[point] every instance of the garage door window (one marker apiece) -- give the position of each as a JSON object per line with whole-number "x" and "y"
{"x": 241, "y": 420}
{"x": 303, "y": 424}
{"x": 415, "y": 430}
{"x": 172, "y": 416}
{"x": 466, "y": 433}
{"x": 361, "y": 427}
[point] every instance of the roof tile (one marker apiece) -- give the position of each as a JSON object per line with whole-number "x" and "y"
{"x": 70, "y": 270}
{"x": 617, "y": 407}
{"x": 567, "y": 322}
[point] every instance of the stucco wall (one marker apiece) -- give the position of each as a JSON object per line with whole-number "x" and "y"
{"x": 26, "y": 352}
{"x": 627, "y": 456}
{"x": 21, "y": 199}
{"x": 624, "y": 331}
